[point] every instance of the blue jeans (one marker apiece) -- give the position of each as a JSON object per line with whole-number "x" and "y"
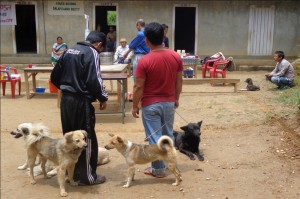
{"x": 281, "y": 81}
{"x": 154, "y": 117}
{"x": 135, "y": 63}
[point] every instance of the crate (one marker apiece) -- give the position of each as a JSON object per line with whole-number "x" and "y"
{"x": 188, "y": 73}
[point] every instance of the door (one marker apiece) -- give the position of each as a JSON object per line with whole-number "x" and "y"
{"x": 185, "y": 29}
{"x": 25, "y": 29}
{"x": 261, "y": 27}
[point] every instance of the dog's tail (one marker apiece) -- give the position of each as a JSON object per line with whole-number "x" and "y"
{"x": 165, "y": 144}
{"x": 38, "y": 132}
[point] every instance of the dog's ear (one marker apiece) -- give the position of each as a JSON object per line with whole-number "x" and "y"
{"x": 200, "y": 123}
{"x": 120, "y": 140}
{"x": 25, "y": 130}
{"x": 84, "y": 133}
{"x": 68, "y": 136}
{"x": 111, "y": 134}
{"x": 184, "y": 128}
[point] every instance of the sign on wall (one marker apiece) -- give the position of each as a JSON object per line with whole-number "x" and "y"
{"x": 65, "y": 8}
{"x": 8, "y": 13}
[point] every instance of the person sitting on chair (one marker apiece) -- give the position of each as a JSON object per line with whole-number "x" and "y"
{"x": 57, "y": 49}
{"x": 119, "y": 54}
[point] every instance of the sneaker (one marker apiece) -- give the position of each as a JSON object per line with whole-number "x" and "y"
{"x": 100, "y": 179}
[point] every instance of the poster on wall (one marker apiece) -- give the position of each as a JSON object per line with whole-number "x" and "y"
{"x": 65, "y": 8}
{"x": 8, "y": 14}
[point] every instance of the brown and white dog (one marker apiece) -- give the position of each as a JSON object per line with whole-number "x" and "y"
{"x": 63, "y": 151}
{"x": 142, "y": 154}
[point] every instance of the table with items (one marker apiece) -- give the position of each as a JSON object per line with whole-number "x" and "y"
{"x": 190, "y": 66}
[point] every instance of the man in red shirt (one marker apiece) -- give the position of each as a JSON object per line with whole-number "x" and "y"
{"x": 158, "y": 86}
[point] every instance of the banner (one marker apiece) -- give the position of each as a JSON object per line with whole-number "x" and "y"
{"x": 8, "y": 14}
{"x": 65, "y": 8}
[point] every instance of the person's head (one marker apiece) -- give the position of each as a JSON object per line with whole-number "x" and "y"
{"x": 123, "y": 42}
{"x": 140, "y": 24}
{"x": 59, "y": 40}
{"x": 97, "y": 39}
{"x": 166, "y": 28}
{"x": 154, "y": 33}
{"x": 111, "y": 29}
{"x": 278, "y": 55}
{"x": 98, "y": 28}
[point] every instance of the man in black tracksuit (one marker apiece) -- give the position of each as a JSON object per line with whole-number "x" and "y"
{"x": 77, "y": 74}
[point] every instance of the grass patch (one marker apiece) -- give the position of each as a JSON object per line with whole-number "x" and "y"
{"x": 291, "y": 96}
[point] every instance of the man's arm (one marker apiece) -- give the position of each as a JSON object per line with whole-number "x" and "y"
{"x": 178, "y": 88}
{"x": 138, "y": 89}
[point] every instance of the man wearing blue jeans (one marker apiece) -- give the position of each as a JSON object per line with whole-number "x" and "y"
{"x": 158, "y": 86}
{"x": 283, "y": 74}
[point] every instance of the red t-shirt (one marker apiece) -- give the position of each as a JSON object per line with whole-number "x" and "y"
{"x": 159, "y": 68}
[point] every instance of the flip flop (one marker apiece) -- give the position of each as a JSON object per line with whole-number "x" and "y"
{"x": 148, "y": 171}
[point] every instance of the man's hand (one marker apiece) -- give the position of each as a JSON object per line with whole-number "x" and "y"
{"x": 176, "y": 104}
{"x": 135, "y": 112}
{"x": 102, "y": 105}
{"x": 268, "y": 76}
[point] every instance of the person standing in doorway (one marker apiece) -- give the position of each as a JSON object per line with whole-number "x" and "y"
{"x": 138, "y": 45}
{"x": 111, "y": 40}
{"x": 158, "y": 86}
{"x": 77, "y": 74}
{"x": 166, "y": 39}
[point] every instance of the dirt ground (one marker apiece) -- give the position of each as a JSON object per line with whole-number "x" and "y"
{"x": 250, "y": 143}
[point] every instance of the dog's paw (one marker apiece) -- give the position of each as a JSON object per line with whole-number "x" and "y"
{"x": 73, "y": 183}
{"x": 23, "y": 167}
{"x": 52, "y": 173}
{"x": 192, "y": 157}
{"x": 175, "y": 184}
{"x": 63, "y": 194}
{"x": 126, "y": 185}
{"x": 200, "y": 158}
{"x": 32, "y": 182}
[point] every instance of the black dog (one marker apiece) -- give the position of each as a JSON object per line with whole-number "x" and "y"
{"x": 187, "y": 142}
{"x": 250, "y": 86}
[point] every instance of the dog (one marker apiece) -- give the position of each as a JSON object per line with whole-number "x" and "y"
{"x": 24, "y": 130}
{"x": 187, "y": 142}
{"x": 142, "y": 154}
{"x": 63, "y": 151}
{"x": 250, "y": 86}
{"x": 103, "y": 156}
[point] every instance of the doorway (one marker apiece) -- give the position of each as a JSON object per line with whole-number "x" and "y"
{"x": 25, "y": 29}
{"x": 185, "y": 26}
{"x": 106, "y": 17}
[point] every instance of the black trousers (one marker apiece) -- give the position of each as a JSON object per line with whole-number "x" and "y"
{"x": 77, "y": 113}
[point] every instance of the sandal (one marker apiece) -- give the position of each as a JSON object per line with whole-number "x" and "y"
{"x": 148, "y": 171}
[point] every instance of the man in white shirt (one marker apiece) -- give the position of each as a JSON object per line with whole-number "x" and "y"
{"x": 119, "y": 54}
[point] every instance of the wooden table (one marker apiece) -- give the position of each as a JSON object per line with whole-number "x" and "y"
{"x": 191, "y": 62}
{"x": 32, "y": 72}
{"x": 122, "y": 80}
{"x": 116, "y": 72}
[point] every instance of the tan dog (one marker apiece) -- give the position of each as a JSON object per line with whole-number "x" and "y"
{"x": 62, "y": 151}
{"x": 142, "y": 154}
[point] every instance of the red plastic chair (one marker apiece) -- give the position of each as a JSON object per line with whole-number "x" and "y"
{"x": 207, "y": 66}
{"x": 13, "y": 79}
{"x": 219, "y": 67}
